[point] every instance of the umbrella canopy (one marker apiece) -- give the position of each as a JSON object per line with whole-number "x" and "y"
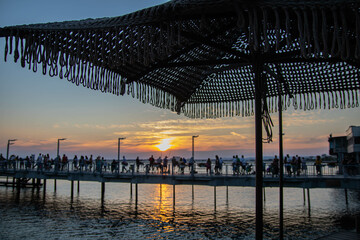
{"x": 197, "y": 57}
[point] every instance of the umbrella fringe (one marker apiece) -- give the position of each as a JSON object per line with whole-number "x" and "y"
{"x": 308, "y": 25}
{"x": 57, "y": 59}
{"x": 304, "y": 101}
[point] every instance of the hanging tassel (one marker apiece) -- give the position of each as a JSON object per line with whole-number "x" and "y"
{"x": 6, "y": 48}
{"x": 324, "y": 34}
{"x": 316, "y": 32}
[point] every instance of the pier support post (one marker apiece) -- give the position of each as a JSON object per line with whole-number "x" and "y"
{"x": 304, "y": 196}
{"x": 160, "y": 192}
{"x": 227, "y": 194}
{"x": 38, "y": 183}
{"x": 102, "y": 193}
{"x": 174, "y": 195}
{"x": 33, "y": 182}
{"x": 136, "y": 196}
{"x": 78, "y": 186}
{"x": 44, "y": 186}
{"x": 214, "y": 198}
{"x": 131, "y": 190}
{"x": 54, "y": 185}
{"x": 192, "y": 191}
{"x": 308, "y": 193}
{"x": 72, "y": 190}
{"x": 264, "y": 195}
{"x": 346, "y": 197}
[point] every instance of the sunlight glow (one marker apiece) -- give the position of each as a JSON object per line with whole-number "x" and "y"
{"x": 165, "y": 144}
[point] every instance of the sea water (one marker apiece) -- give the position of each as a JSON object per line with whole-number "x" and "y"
{"x": 195, "y": 213}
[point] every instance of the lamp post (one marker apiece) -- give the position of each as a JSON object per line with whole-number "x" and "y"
{"x": 193, "y": 159}
{"x": 58, "y": 146}
{"x": 118, "y": 170}
{"x": 10, "y": 142}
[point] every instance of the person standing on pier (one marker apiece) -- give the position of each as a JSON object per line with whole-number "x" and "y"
{"x": 64, "y": 162}
{"x": 113, "y": 166}
{"x": 217, "y": 165}
{"x": 304, "y": 166}
{"x": 234, "y": 164}
{"x": 81, "y": 163}
{"x": 75, "y": 163}
{"x": 208, "y": 166}
{"x": 165, "y": 164}
{"x": 138, "y": 163}
{"x": 39, "y": 163}
{"x": 124, "y": 163}
{"x": 152, "y": 162}
{"x": 91, "y": 162}
{"x": 318, "y": 163}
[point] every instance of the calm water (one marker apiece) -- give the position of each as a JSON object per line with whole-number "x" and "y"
{"x": 31, "y": 214}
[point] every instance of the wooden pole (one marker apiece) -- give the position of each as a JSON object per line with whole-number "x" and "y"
{"x": 54, "y": 185}
{"x": 136, "y": 195}
{"x": 304, "y": 196}
{"x": 174, "y": 195}
{"x": 214, "y": 198}
{"x": 346, "y": 197}
{"x": 192, "y": 190}
{"x": 72, "y": 190}
{"x": 264, "y": 195}
{"x": 102, "y": 193}
{"x": 258, "y": 146}
{"x": 281, "y": 169}
{"x": 308, "y": 193}
{"x": 227, "y": 194}
{"x": 131, "y": 190}
{"x": 78, "y": 186}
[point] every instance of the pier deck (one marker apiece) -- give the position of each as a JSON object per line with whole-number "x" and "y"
{"x": 327, "y": 181}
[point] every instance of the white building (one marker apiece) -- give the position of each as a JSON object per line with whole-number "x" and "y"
{"x": 353, "y": 141}
{"x": 342, "y": 146}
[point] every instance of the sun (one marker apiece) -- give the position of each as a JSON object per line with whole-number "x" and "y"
{"x": 165, "y": 144}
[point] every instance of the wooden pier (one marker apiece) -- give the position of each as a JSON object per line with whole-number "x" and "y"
{"x": 329, "y": 181}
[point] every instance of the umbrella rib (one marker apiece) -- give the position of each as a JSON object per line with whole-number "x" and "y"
{"x": 162, "y": 64}
{"x": 205, "y": 41}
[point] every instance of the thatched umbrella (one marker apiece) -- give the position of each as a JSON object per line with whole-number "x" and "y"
{"x": 209, "y": 58}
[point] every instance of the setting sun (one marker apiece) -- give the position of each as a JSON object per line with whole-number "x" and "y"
{"x": 165, "y": 144}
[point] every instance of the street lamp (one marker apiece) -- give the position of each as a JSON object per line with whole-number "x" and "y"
{"x": 193, "y": 137}
{"x": 10, "y": 142}
{"x": 119, "y": 153}
{"x": 58, "y": 146}
{"x": 193, "y": 159}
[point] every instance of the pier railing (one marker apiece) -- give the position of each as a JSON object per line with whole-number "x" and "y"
{"x": 106, "y": 167}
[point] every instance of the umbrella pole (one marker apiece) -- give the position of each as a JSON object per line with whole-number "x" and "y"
{"x": 259, "y": 149}
{"x": 281, "y": 172}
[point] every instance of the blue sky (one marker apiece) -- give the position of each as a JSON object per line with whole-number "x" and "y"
{"x": 38, "y": 109}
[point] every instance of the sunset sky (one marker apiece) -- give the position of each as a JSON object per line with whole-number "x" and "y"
{"x": 38, "y": 109}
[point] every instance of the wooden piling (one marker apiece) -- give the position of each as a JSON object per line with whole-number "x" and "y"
{"x": 136, "y": 195}
{"x": 264, "y": 195}
{"x": 174, "y": 195}
{"x": 131, "y": 190}
{"x": 346, "y": 197}
{"x": 304, "y": 196}
{"x": 54, "y": 185}
{"x": 78, "y": 186}
{"x": 227, "y": 194}
{"x": 102, "y": 193}
{"x": 72, "y": 190}
{"x": 215, "y": 198}
{"x": 308, "y": 193}
{"x": 192, "y": 191}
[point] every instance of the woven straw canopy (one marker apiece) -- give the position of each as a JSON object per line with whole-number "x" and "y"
{"x": 198, "y": 57}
